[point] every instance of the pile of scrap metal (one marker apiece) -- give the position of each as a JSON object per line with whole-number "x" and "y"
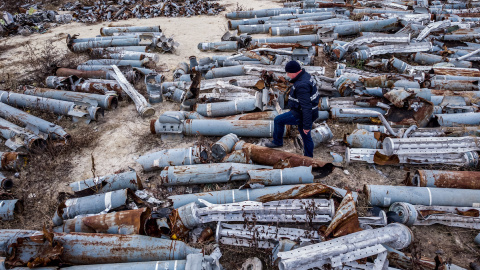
{"x": 29, "y": 19}
{"x": 278, "y": 206}
{"x": 123, "y": 10}
{"x": 121, "y": 56}
{"x": 108, "y": 223}
{"x": 9, "y": 206}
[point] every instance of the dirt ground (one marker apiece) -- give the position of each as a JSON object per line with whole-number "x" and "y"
{"x": 114, "y": 142}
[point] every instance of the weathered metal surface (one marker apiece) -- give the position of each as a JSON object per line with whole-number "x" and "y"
{"x": 154, "y": 265}
{"x": 261, "y": 235}
{"x": 384, "y": 196}
{"x": 458, "y": 119}
{"x": 267, "y": 194}
{"x": 91, "y": 248}
{"x": 78, "y": 112}
{"x": 348, "y": 248}
{"x": 109, "y": 31}
{"x": 143, "y": 108}
{"x": 281, "y": 159}
{"x": 284, "y": 211}
{"x": 94, "y": 204}
{"x": 413, "y": 215}
{"x": 18, "y": 138}
{"x": 106, "y": 102}
{"x": 8, "y": 209}
{"x": 107, "y": 183}
{"x": 206, "y": 173}
{"x": 224, "y": 146}
{"x": 422, "y": 145}
{"x": 345, "y": 221}
{"x": 276, "y": 177}
{"x": 361, "y": 138}
{"x": 123, "y": 222}
{"x": 446, "y": 179}
{"x": 173, "y": 157}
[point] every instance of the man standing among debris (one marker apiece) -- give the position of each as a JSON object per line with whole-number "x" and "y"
{"x": 303, "y": 103}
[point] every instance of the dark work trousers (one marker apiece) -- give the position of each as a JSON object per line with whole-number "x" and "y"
{"x": 279, "y": 129}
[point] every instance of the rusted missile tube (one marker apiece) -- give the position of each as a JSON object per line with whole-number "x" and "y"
{"x": 98, "y": 74}
{"x": 278, "y": 177}
{"x": 207, "y": 173}
{"x": 223, "y": 46}
{"x": 219, "y": 109}
{"x": 92, "y": 248}
{"x": 8, "y": 209}
{"x": 60, "y": 107}
{"x": 9, "y": 236}
{"x": 234, "y": 24}
{"x": 120, "y": 49}
{"x": 261, "y": 194}
{"x": 395, "y": 235}
{"x": 458, "y": 119}
{"x": 84, "y": 46}
{"x": 155, "y": 265}
{"x": 173, "y": 157}
{"x": 107, "y": 183}
{"x": 18, "y": 137}
{"x": 123, "y": 222}
{"x": 274, "y": 12}
{"x": 93, "y": 204}
{"x": 33, "y": 123}
{"x": 384, "y": 196}
{"x": 133, "y": 63}
{"x": 109, "y": 31}
{"x": 446, "y": 179}
{"x": 106, "y": 102}
{"x": 224, "y": 146}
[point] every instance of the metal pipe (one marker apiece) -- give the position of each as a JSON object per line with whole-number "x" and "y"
{"x": 93, "y": 204}
{"x": 5, "y": 183}
{"x": 369, "y": 112}
{"x": 288, "y": 211}
{"x": 120, "y": 49}
{"x": 154, "y": 265}
{"x": 219, "y": 109}
{"x": 107, "y": 183}
{"x": 446, "y": 179}
{"x": 422, "y": 145}
{"x": 173, "y": 157}
{"x": 380, "y": 50}
{"x": 278, "y": 177}
{"x": 467, "y": 159}
{"x": 108, "y": 62}
{"x": 274, "y": 12}
{"x": 206, "y": 173}
{"x": 92, "y": 248}
{"x": 234, "y": 24}
{"x": 369, "y": 26}
{"x": 106, "y": 102}
{"x": 224, "y": 146}
{"x": 61, "y": 107}
{"x": 109, "y": 31}
{"x": 85, "y": 46}
{"x": 223, "y": 46}
{"x": 320, "y": 134}
{"x": 143, "y": 108}
{"x": 153, "y": 82}
{"x": 458, "y": 119}
{"x": 357, "y": 245}
{"x": 314, "y": 39}
{"x": 36, "y": 125}
{"x": 414, "y": 215}
{"x": 18, "y": 138}
{"x": 206, "y": 127}
{"x": 430, "y": 59}
{"x": 384, "y": 196}
{"x": 262, "y": 194}
{"x": 123, "y": 222}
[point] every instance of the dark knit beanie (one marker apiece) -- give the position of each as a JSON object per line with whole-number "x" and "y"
{"x": 293, "y": 67}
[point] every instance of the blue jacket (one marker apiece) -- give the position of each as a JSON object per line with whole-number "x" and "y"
{"x": 303, "y": 99}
